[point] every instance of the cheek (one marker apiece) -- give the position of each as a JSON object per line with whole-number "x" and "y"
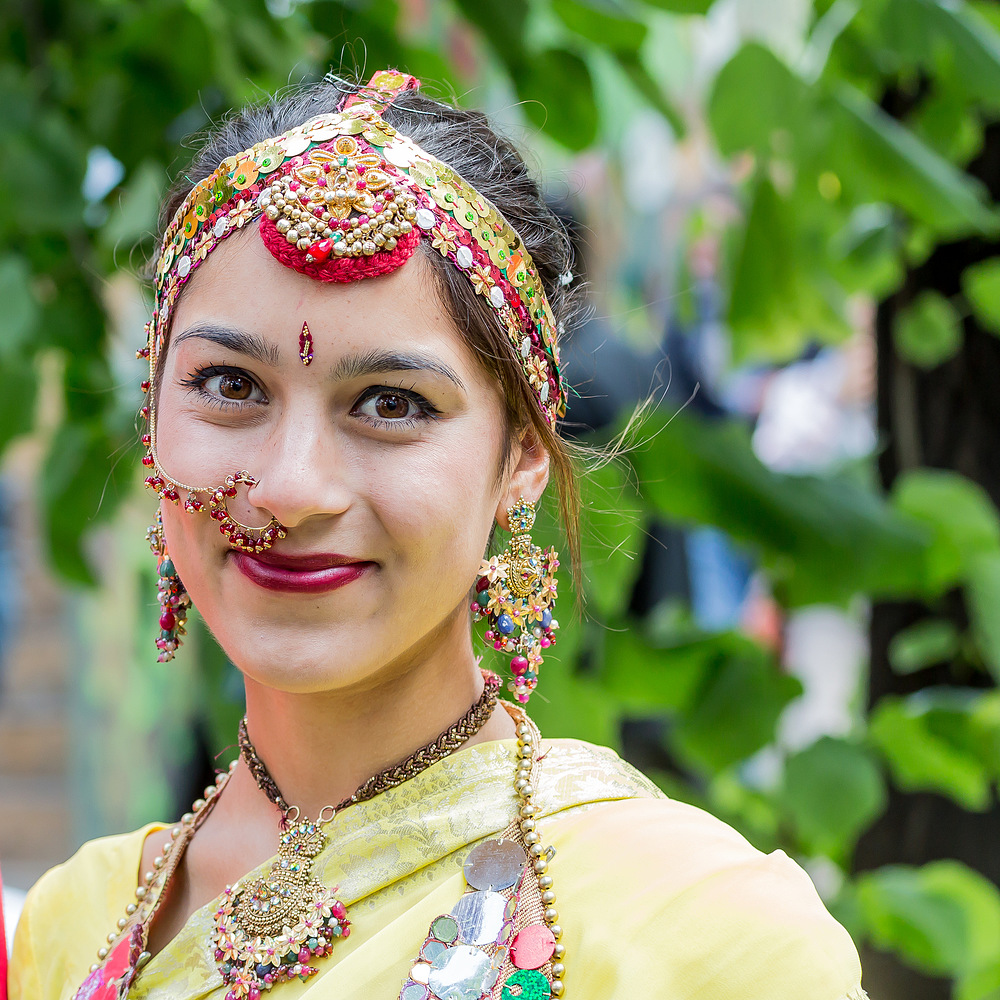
{"x": 192, "y": 546}
{"x": 440, "y": 502}
{"x": 198, "y": 453}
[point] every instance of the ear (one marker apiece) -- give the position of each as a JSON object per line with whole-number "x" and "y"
{"x": 528, "y": 475}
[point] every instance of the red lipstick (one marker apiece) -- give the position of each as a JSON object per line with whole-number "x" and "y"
{"x": 305, "y": 574}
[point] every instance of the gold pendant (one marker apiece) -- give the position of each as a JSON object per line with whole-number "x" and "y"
{"x": 269, "y": 929}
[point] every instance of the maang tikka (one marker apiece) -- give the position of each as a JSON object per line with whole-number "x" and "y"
{"x": 515, "y": 593}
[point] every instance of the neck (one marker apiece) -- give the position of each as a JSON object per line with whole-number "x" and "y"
{"x": 320, "y": 747}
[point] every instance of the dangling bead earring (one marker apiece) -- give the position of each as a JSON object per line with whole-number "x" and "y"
{"x": 173, "y": 598}
{"x": 515, "y": 593}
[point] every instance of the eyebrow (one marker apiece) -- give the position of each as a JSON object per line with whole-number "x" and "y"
{"x": 237, "y": 340}
{"x": 374, "y": 362}
{"x": 377, "y": 362}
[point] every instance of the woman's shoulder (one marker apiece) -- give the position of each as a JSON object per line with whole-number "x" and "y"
{"x": 687, "y": 905}
{"x": 572, "y": 772}
{"x": 75, "y": 904}
{"x": 105, "y": 864}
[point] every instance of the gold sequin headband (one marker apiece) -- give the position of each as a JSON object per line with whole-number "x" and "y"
{"x": 345, "y": 196}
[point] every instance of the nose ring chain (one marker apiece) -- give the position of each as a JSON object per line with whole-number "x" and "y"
{"x": 242, "y": 536}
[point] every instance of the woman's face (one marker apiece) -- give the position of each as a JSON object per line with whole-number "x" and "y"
{"x": 381, "y": 458}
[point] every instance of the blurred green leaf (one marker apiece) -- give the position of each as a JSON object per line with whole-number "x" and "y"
{"x": 905, "y": 172}
{"x": 18, "y": 399}
{"x": 643, "y": 82}
{"x": 733, "y": 712}
{"x": 984, "y": 715}
{"x": 558, "y": 96}
{"x": 943, "y": 918}
{"x": 612, "y": 536}
{"x": 133, "y": 217}
{"x": 754, "y": 95}
{"x": 832, "y": 790}
{"x": 922, "y": 645}
{"x": 681, "y": 6}
{"x": 923, "y": 29}
{"x": 19, "y": 314}
{"x": 603, "y": 23}
{"x": 702, "y": 472}
{"x": 502, "y": 24}
{"x": 981, "y": 284}
{"x": 646, "y": 675}
{"x": 982, "y": 984}
{"x": 929, "y": 332}
{"x": 866, "y": 250}
{"x": 929, "y": 747}
{"x": 74, "y": 479}
{"x": 960, "y": 516}
{"x": 983, "y": 599}
{"x": 777, "y": 298}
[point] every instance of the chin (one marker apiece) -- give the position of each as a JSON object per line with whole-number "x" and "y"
{"x": 296, "y": 659}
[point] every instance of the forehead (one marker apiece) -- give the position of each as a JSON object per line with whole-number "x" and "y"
{"x": 242, "y": 285}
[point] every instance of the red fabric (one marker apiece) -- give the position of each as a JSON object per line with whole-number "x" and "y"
{"x": 3, "y": 950}
{"x": 342, "y": 269}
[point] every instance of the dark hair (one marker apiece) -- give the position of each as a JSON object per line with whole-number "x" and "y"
{"x": 467, "y": 142}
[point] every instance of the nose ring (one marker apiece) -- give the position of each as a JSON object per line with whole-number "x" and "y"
{"x": 242, "y": 536}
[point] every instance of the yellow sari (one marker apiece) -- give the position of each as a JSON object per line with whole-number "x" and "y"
{"x": 657, "y": 898}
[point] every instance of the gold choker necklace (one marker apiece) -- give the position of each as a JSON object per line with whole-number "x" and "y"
{"x": 450, "y": 740}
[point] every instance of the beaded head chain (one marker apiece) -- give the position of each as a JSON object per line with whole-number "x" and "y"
{"x": 343, "y": 197}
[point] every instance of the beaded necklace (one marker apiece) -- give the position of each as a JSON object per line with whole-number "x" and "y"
{"x": 502, "y": 937}
{"x": 270, "y": 928}
{"x": 125, "y": 953}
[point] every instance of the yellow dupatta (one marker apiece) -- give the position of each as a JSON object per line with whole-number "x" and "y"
{"x": 656, "y": 898}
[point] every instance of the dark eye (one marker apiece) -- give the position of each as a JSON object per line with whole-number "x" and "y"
{"x": 232, "y": 386}
{"x": 223, "y": 387}
{"x": 388, "y": 405}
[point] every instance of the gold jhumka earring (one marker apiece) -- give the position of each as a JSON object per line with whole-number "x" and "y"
{"x": 516, "y": 593}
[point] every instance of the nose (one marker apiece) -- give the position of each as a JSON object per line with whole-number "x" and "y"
{"x": 299, "y": 472}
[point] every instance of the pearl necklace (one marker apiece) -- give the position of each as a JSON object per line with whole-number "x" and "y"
{"x": 502, "y": 939}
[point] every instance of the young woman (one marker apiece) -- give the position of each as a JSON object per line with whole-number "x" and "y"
{"x": 353, "y": 381}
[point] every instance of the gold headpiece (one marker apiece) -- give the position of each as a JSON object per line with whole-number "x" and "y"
{"x": 345, "y": 196}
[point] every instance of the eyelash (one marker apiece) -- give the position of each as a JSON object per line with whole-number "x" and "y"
{"x": 428, "y": 410}
{"x": 196, "y": 380}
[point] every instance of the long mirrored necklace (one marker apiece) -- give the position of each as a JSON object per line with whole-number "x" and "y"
{"x": 502, "y": 938}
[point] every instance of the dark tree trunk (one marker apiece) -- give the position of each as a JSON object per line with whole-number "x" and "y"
{"x": 947, "y": 418}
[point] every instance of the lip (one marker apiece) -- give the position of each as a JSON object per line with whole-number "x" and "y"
{"x": 314, "y": 573}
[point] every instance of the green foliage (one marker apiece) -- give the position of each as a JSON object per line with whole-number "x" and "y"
{"x": 799, "y": 526}
{"x": 981, "y": 284}
{"x": 943, "y": 917}
{"x": 605, "y": 25}
{"x": 962, "y": 521}
{"x": 929, "y": 332}
{"x": 922, "y": 645}
{"x": 832, "y": 791}
{"x": 837, "y": 197}
{"x": 930, "y": 742}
